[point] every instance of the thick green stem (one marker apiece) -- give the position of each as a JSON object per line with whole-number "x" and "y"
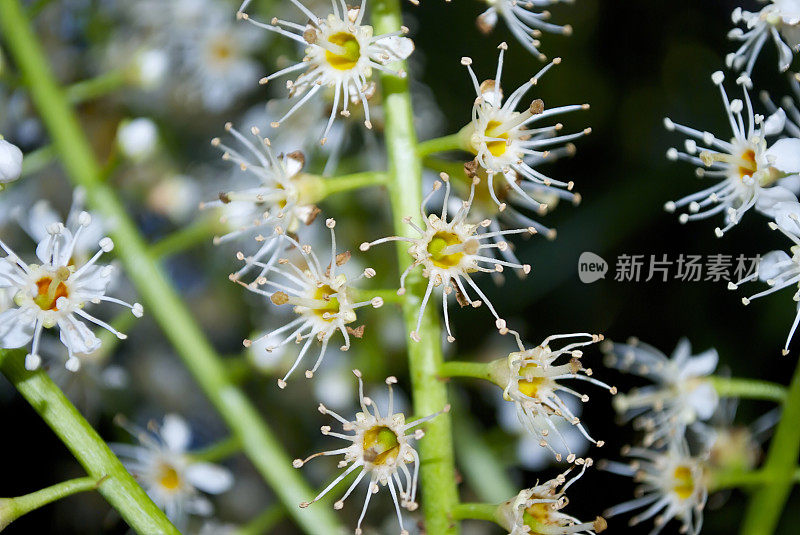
{"x": 258, "y": 441}
{"x": 748, "y": 389}
{"x": 455, "y": 368}
{"x": 119, "y": 488}
{"x": 440, "y": 144}
{"x": 439, "y": 491}
{"x": 767, "y": 503}
{"x": 13, "y": 508}
{"x": 475, "y": 511}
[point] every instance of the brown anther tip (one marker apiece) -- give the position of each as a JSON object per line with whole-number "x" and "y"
{"x": 537, "y": 106}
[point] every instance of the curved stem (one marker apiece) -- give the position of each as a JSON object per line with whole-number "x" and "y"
{"x": 93, "y": 88}
{"x": 767, "y": 503}
{"x": 218, "y": 451}
{"x": 748, "y": 389}
{"x": 440, "y": 144}
{"x": 259, "y": 443}
{"x": 13, "y": 508}
{"x": 455, "y": 368}
{"x": 119, "y": 488}
{"x": 439, "y": 491}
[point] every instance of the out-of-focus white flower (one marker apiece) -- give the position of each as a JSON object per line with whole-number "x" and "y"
{"x": 381, "y": 448}
{"x": 10, "y": 162}
{"x": 538, "y": 510}
{"x": 525, "y": 19}
{"x": 280, "y": 199}
{"x": 779, "y": 19}
{"x": 150, "y": 68}
{"x": 323, "y": 300}
{"x": 671, "y": 485}
{"x": 749, "y": 170}
{"x": 137, "y": 138}
{"x": 509, "y": 143}
{"x": 55, "y": 293}
{"x": 777, "y": 268}
{"x": 681, "y": 395}
{"x": 341, "y": 53}
{"x": 175, "y": 196}
{"x": 166, "y": 470}
{"x": 448, "y": 251}
{"x": 531, "y": 380}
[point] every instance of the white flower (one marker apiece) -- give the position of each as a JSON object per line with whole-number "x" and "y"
{"x": 537, "y": 510}
{"x": 323, "y": 299}
{"x": 788, "y": 106}
{"x": 55, "y": 293}
{"x": 166, "y": 470}
{"x": 747, "y": 167}
{"x": 530, "y": 379}
{"x": 10, "y": 162}
{"x": 777, "y": 268}
{"x": 341, "y": 53}
{"x": 525, "y": 20}
{"x": 277, "y": 199}
{"x": 506, "y": 143}
{"x": 780, "y": 20}
{"x": 671, "y": 485}
{"x": 381, "y": 448}
{"x": 137, "y": 138}
{"x": 681, "y": 395}
{"x": 448, "y": 251}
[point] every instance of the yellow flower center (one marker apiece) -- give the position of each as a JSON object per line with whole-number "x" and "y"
{"x": 497, "y": 148}
{"x": 436, "y": 247}
{"x": 537, "y": 516}
{"x": 50, "y": 289}
{"x": 381, "y": 445}
{"x": 748, "y": 164}
{"x": 325, "y": 293}
{"x": 683, "y": 482}
{"x": 168, "y": 477}
{"x": 351, "y": 55}
{"x": 530, "y": 387}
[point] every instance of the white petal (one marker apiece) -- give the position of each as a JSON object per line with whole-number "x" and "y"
{"x": 396, "y": 47}
{"x": 791, "y": 182}
{"x": 703, "y": 400}
{"x": 784, "y": 155}
{"x": 775, "y": 123}
{"x": 209, "y": 478}
{"x": 77, "y": 336}
{"x": 767, "y": 269}
{"x": 41, "y": 216}
{"x": 10, "y": 162}
{"x": 200, "y": 506}
{"x": 769, "y": 198}
{"x": 16, "y": 328}
{"x": 700, "y": 365}
{"x": 176, "y": 433}
{"x": 682, "y": 352}
{"x": 62, "y": 239}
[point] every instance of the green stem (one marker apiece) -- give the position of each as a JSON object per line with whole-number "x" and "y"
{"x": 185, "y": 238}
{"x": 452, "y": 168}
{"x": 767, "y": 503}
{"x": 258, "y": 441}
{"x": 264, "y": 522}
{"x": 338, "y": 184}
{"x": 440, "y": 144}
{"x": 219, "y": 451}
{"x": 748, "y": 389}
{"x": 439, "y": 491}
{"x": 13, "y": 508}
{"x": 90, "y": 89}
{"x": 119, "y": 488}
{"x": 387, "y": 294}
{"x": 475, "y": 511}
{"x": 454, "y": 368}
{"x": 37, "y": 160}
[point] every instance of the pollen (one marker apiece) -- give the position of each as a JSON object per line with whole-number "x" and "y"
{"x": 351, "y": 51}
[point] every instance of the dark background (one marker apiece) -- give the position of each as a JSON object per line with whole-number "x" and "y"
{"x": 635, "y": 62}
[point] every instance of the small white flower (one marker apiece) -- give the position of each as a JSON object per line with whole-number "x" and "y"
{"x": 322, "y": 299}
{"x": 10, "y": 162}
{"x": 530, "y": 379}
{"x": 681, "y": 395}
{"x": 55, "y": 293}
{"x": 276, "y": 200}
{"x": 525, "y": 19}
{"x": 777, "y": 268}
{"x": 671, "y": 485}
{"x": 448, "y": 251}
{"x": 779, "y": 20}
{"x": 167, "y": 471}
{"x": 381, "y": 448}
{"x": 746, "y": 166}
{"x": 341, "y": 53}
{"x": 509, "y": 143}
{"x": 137, "y": 138}
{"x": 537, "y": 510}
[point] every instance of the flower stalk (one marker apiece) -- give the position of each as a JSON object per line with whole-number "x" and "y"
{"x": 119, "y": 488}
{"x": 441, "y": 144}
{"x": 13, "y": 508}
{"x": 730, "y": 387}
{"x": 439, "y": 492}
{"x": 258, "y": 441}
